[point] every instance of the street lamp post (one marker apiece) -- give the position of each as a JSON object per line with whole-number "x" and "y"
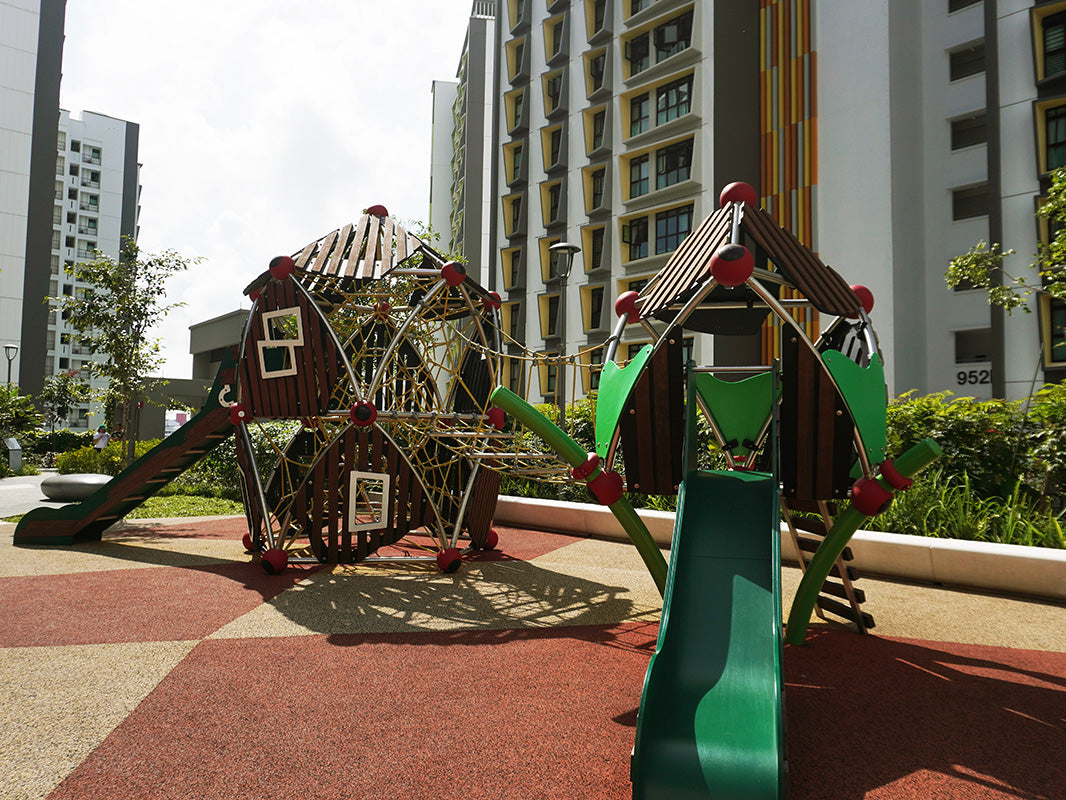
{"x": 566, "y": 252}
{"x": 10, "y": 350}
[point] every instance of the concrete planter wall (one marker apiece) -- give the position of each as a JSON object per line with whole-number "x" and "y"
{"x": 1033, "y": 571}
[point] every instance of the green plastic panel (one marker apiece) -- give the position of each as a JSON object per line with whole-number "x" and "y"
{"x": 740, "y": 408}
{"x": 615, "y": 385}
{"x": 864, "y": 391}
{"x": 710, "y": 723}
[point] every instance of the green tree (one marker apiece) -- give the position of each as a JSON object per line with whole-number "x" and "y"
{"x": 982, "y": 266}
{"x": 113, "y": 319}
{"x": 58, "y": 394}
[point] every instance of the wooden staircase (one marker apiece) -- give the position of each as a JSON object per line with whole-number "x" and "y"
{"x": 809, "y": 522}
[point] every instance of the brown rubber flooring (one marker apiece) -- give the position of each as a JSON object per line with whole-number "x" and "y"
{"x": 162, "y": 663}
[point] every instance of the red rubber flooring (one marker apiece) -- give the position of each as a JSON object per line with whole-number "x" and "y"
{"x": 485, "y": 713}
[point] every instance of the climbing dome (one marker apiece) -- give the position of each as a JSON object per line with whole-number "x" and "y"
{"x": 382, "y": 355}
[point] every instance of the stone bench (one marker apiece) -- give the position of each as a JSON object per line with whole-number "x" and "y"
{"x": 72, "y": 488}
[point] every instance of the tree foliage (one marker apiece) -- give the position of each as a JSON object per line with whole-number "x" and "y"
{"x": 114, "y": 318}
{"x": 982, "y": 266}
{"x": 61, "y": 392}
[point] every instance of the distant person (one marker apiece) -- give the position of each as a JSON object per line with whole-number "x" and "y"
{"x": 119, "y": 433}
{"x": 101, "y": 438}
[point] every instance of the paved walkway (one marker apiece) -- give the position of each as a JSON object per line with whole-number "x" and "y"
{"x": 162, "y": 663}
{"x": 23, "y": 492}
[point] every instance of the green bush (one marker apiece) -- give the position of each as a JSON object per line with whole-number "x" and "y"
{"x": 217, "y": 474}
{"x": 106, "y": 462}
{"x": 985, "y": 440}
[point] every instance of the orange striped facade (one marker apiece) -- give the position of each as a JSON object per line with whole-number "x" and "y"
{"x": 789, "y": 131}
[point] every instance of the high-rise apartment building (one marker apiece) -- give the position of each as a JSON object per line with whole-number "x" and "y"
{"x": 888, "y": 136}
{"x": 96, "y": 206}
{"x": 31, "y": 54}
{"x": 460, "y": 208}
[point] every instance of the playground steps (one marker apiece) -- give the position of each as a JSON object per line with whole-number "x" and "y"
{"x": 838, "y": 595}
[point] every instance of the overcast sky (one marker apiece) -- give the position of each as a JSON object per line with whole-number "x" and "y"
{"x": 263, "y": 124}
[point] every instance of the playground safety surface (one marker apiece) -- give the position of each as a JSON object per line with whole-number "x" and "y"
{"x": 163, "y": 663}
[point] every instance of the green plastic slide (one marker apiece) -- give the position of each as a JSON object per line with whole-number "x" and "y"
{"x": 710, "y": 722}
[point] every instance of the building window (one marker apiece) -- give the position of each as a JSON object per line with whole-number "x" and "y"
{"x": 595, "y": 307}
{"x": 973, "y": 347}
{"x": 75, "y": 146}
{"x": 597, "y": 67}
{"x": 599, "y": 14}
{"x": 514, "y": 323}
{"x": 638, "y": 51}
{"x": 639, "y": 114}
{"x": 673, "y": 36}
{"x": 517, "y": 101}
{"x": 636, "y": 6}
{"x": 1054, "y": 44}
{"x": 969, "y": 131}
{"x": 1055, "y": 126}
{"x": 967, "y": 61}
{"x": 673, "y": 100}
{"x": 638, "y": 176}
{"x": 1054, "y": 330}
{"x": 969, "y": 202}
{"x": 635, "y": 234}
{"x": 551, "y": 315}
{"x": 599, "y": 121}
{"x": 553, "y": 88}
{"x": 555, "y": 142}
{"x": 553, "y": 201}
{"x": 955, "y": 5}
{"x": 595, "y": 367}
{"x": 516, "y": 162}
{"x": 598, "y": 179}
{"x": 595, "y": 249}
{"x": 673, "y": 164}
{"x": 671, "y": 227}
{"x": 556, "y": 39}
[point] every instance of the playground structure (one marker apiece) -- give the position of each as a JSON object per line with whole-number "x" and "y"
{"x": 798, "y": 435}
{"x": 391, "y": 364}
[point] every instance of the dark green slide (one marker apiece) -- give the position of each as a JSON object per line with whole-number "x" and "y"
{"x": 710, "y": 722}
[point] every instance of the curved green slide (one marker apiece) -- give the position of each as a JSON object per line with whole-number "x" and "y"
{"x": 711, "y": 722}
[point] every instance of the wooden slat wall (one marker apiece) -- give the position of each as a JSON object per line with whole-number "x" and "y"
{"x": 482, "y": 505}
{"x": 652, "y": 424}
{"x": 815, "y": 428}
{"x": 319, "y": 364}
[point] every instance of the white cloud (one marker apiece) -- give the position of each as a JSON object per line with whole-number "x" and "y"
{"x": 263, "y": 125}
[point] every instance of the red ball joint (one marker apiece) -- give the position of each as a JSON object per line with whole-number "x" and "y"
{"x": 381, "y": 310}
{"x": 254, "y": 294}
{"x": 363, "y": 414}
{"x": 275, "y": 561}
{"x": 626, "y": 305}
{"x": 869, "y": 497}
{"x": 491, "y": 302}
{"x": 377, "y": 211}
{"x": 893, "y": 477}
{"x": 249, "y": 543}
{"x": 492, "y": 540}
{"x": 732, "y": 264}
{"x": 282, "y": 267}
{"x": 607, "y": 488}
{"x": 866, "y": 299}
{"x": 453, "y": 273}
{"x": 238, "y": 414}
{"x": 449, "y": 560}
{"x": 496, "y": 418}
{"x": 582, "y": 471}
{"x": 738, "y": 193}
